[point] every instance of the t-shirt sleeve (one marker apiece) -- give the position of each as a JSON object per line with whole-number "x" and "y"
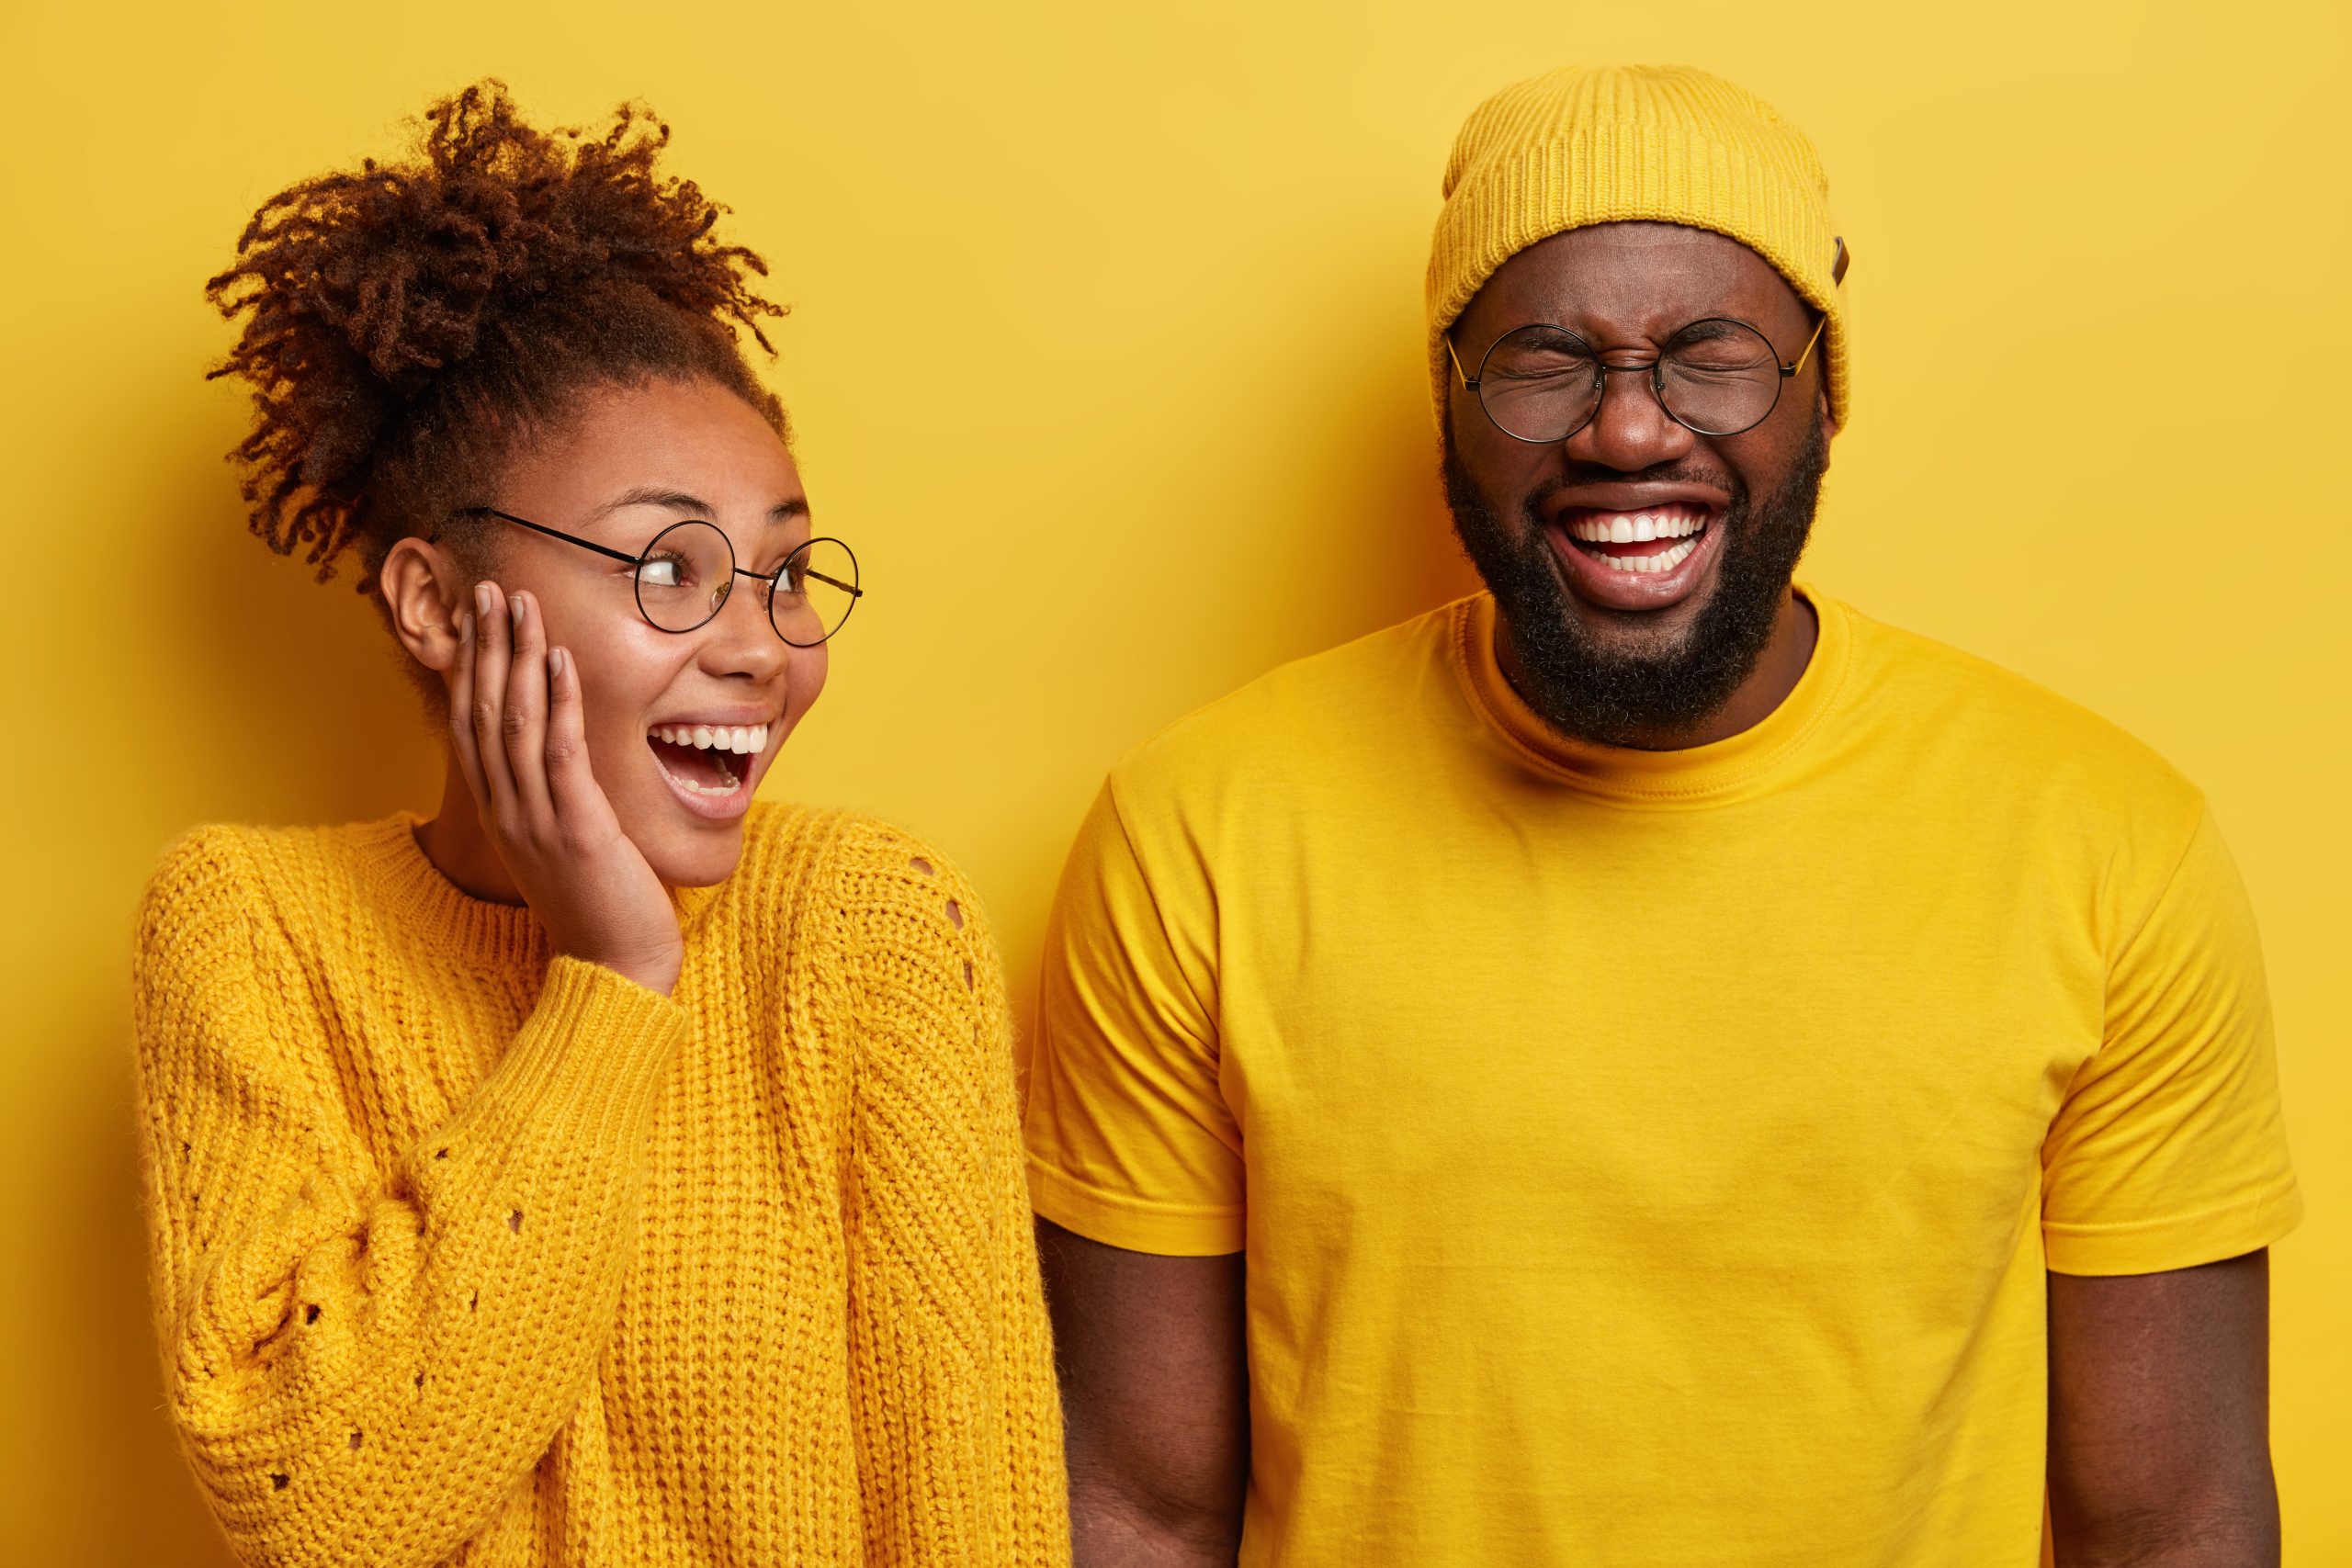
{"x": 2169, "y": 1149}
{"x": 1131, "y": 1140}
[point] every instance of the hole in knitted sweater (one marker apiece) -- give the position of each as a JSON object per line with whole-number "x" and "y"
{"x": 967, "y": 974}
{"x": 440, "y": 1153}
{"x": 354, "y": 1439}
{"x": 310, "y": 1312}
{"x": 514, "y": 1220}
{"x": 419, "y": 1379}
{"x": 920, "y": 864}
{"x": 473, "y": 1302}
{"x": 277, "y": 1479}
{"x": 956, "y": 914}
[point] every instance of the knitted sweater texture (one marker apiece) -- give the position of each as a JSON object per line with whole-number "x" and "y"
{"x": 466, "y": 1254}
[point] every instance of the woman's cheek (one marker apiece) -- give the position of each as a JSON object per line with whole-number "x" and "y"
{"x": 806, "y": 682}
{"x": 610, "y": 722}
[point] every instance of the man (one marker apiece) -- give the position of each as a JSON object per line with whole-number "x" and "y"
{"x": 1647, "y": 1066}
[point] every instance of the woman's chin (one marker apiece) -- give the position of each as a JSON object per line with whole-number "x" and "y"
{"x": 698, "y": 856}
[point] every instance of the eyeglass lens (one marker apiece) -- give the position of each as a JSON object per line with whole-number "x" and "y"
{"x": 684, "y": 575}
{"x": 687, "y": 572}
{"x": 1544, "y": 383}
{"x": 814, "y": 594}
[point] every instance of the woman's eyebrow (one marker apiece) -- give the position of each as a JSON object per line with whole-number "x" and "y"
{"x": 671, "y": 500}
{"x": 657, "y": 495}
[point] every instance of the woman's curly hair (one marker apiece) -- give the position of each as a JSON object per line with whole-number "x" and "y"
{"x": 406, "y": 325}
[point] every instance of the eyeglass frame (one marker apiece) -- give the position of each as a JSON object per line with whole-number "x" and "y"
{"x": 637, "y": 589}
{"x": 1655, "y": 366}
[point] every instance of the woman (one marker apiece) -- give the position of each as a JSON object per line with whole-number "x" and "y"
{"x": 610, "y": 1170}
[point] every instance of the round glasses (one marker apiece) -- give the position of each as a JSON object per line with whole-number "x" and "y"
{"x": 1542, "y": 384}
{"x": 686, "y": 573}
{"x": 685, "y": 576}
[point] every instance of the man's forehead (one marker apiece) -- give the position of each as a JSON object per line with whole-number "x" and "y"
{"x": 1666, "y": 267}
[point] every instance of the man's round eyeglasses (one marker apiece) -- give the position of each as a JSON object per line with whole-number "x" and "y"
{"x": 1542, "y": 384}
{"x": 684, "y": 575}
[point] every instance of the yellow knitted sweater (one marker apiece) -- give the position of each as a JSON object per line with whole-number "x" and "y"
{"x": 465, "y": 1255}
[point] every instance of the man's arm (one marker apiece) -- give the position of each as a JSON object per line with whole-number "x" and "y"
{"x": 2160, "y": 1418}
{"x": 1155, "y": 1401}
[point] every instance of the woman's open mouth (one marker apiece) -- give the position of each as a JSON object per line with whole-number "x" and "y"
{"x": 708, "y": 766}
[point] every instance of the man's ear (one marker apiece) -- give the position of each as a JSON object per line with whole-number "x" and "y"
{"x": 1828, "y": 419}
{"x": 424, "y": 594}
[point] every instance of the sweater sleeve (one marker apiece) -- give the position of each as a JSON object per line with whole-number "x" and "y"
{"x": 957, "y": 1418}
{"x": 365, "y": 1359}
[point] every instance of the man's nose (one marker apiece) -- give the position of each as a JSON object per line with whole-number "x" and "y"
{"x": 1631, "y": 430}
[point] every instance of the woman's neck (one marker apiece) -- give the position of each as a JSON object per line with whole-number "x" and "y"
{"x": 459, "y": 849}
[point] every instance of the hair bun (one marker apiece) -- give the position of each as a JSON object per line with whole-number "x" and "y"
{"x": 408, "y": 263}
{"x": 362, "y": 291}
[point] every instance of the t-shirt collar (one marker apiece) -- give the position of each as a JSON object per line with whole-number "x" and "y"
{"x": 1698, "y": 775}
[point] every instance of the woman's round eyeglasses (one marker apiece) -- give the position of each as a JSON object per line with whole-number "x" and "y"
{"x": 684, "y": 575}
{"x": 1542, "y": 384}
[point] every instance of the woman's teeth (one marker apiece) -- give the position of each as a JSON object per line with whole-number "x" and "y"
{"x": 737, "y": 738}
{"x": 705, "y": 759}
{"x": 728, "y": 782}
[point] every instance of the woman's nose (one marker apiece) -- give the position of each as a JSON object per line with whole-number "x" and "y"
{"x": 740, "y": 639}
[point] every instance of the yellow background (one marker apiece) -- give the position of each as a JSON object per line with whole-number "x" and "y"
{"x": 1106, "y": 351}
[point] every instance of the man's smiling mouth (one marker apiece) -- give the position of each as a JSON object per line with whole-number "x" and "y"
{"x": 1647, "y": 541}
{"x": 707, "y": 760}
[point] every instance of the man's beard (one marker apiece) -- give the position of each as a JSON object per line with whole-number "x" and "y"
{"x": 1587, "y": 691}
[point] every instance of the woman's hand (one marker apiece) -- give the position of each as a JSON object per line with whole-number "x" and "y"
{"x": 514, "y": 718}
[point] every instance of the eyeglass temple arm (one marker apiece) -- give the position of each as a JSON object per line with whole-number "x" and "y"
{"x": 550, "y": 533}
{"x": 1467, "y": 384}
{"x": 1818, "y": 328}
{"x": 1836, "y": 276}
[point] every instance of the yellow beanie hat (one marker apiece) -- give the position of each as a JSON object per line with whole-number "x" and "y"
{"x": 1612, "y": 144}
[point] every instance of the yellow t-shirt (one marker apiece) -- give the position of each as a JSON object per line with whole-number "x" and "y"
{"x": 1653, "y": 1157}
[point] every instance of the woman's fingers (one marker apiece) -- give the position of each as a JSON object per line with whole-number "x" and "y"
{"x": 570, "y": 782}
{"x": 493, "y": 641}
{"x": 461, "y": 713}
{"x": 525, "y": 725}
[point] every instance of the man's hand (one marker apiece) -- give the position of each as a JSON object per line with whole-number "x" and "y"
{"x": 1156, "y": 1400}
{"x": 2160, "y": 1418}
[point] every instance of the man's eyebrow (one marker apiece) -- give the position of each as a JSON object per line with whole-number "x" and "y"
{"x": 786, "y": 511}
{"x": 1712, "y": 327}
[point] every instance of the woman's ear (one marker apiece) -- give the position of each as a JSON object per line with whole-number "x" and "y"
{"x": 423, "y": 593}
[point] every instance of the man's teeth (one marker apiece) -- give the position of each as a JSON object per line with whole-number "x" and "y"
{"x": 742, "y": 738}
{"x": 1635, "y": 528}
{"x": 1665, "y": 562}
